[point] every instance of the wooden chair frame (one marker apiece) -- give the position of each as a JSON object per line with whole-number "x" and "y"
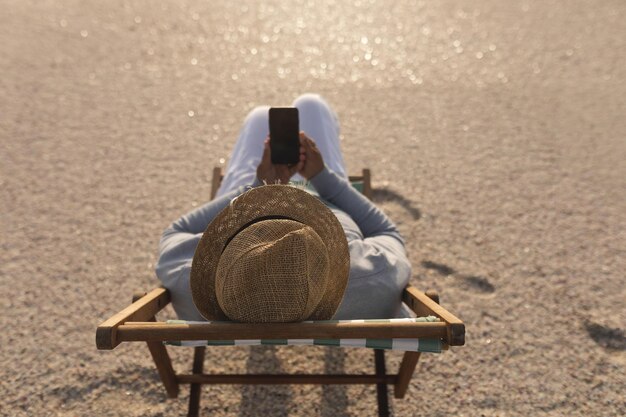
{"x": 137, "y": 323}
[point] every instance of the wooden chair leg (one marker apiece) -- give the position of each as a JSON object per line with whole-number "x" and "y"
{"x": 164, "y": 366}
{"x": 162, "y": 360}
{"x": 196, "y": 388}
{"x": 409, "y": 362}
{"x": 407, "y": 367}
{"x": 381, "y": 388}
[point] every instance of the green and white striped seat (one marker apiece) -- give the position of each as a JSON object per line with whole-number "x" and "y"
{"x": 398, "y": 344}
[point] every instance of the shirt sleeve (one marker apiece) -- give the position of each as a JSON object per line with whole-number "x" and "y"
{"x": 379, "y": 267}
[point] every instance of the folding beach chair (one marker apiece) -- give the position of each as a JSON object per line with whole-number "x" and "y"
{"x": 433, "y": 330}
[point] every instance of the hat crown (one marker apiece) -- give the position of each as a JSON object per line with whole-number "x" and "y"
{"x": 254, "y": 206}
{"x": 272, "y": 271}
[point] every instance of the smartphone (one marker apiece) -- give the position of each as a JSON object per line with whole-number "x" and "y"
{"x": 284, "y": 135}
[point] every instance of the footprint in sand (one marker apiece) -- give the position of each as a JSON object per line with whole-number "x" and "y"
{"x": 471, "y": 282}
{"x": 440, "y": 268}
{"x": 607, "y": 337}
{"x": 478, "y": 283}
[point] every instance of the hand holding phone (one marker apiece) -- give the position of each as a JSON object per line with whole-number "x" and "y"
{"x": 271, "y": 173}
{"x": 313, "y": 162}
{"x": 284, "y": 135}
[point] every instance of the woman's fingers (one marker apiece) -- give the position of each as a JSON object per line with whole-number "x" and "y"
{"x": 267, "y": 153}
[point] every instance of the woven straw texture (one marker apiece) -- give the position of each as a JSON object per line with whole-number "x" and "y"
{"x": 259, "y": 277}
{"x": 272, "y": 271}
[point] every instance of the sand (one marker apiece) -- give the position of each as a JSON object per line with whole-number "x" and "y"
{"x": 495, "y": 132}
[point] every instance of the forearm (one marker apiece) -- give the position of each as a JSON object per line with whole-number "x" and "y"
{"x": 339, "y": 192}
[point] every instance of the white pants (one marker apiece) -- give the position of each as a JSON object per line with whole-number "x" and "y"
{"x": 317, "y": 120}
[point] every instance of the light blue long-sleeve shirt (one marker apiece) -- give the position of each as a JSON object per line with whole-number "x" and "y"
{"x": 379, "y": 268}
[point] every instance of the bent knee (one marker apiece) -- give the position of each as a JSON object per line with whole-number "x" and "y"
{"x": 258, "y": 114}
{"x": 309, "y": 101}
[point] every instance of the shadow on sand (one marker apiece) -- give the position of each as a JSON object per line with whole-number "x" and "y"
{"x": 273, "y": 400}
{"x": 385, "y": 194}
{"x": 608, "y": 338}
{"x": 140, "y": 380}
{"x": 471, "y": 282}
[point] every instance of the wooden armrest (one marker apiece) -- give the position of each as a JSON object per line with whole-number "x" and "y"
{"x": 423, "y": 305}
{"x": 143, "y": 309}
{"x": 151, "y": 331}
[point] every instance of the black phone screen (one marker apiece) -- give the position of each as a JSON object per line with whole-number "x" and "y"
{"x": 284, "y": 135}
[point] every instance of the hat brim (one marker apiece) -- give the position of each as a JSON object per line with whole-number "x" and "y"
{"x": 273, "y": 200}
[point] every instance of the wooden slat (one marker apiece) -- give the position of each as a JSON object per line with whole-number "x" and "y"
{"x": 367, "y": 183}
{"x": 216, "y": 181}
{"x": 146, "y": 331}
{"x": 141, "y": 310}
{"x": 164, "y": 367}
{"x": 423, "y": 305}
{"x": 256, "y": 379}
{"x": 407, "y": 367}
{"x": 196, "y": 389}
{"x": 382, "y": 397}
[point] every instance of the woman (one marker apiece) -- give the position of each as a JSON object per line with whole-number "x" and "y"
{"x": 378, "y": 265}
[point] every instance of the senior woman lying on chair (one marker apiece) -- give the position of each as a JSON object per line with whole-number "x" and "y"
{"x": 284, "y": 253}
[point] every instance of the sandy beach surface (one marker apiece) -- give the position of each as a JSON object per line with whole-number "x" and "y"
{"x": 495, "y": 130}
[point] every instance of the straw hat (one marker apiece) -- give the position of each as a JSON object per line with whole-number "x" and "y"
{"x": 275, "y": 254}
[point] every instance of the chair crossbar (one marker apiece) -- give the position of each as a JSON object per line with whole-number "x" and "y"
{"x": 301, "y": 379}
